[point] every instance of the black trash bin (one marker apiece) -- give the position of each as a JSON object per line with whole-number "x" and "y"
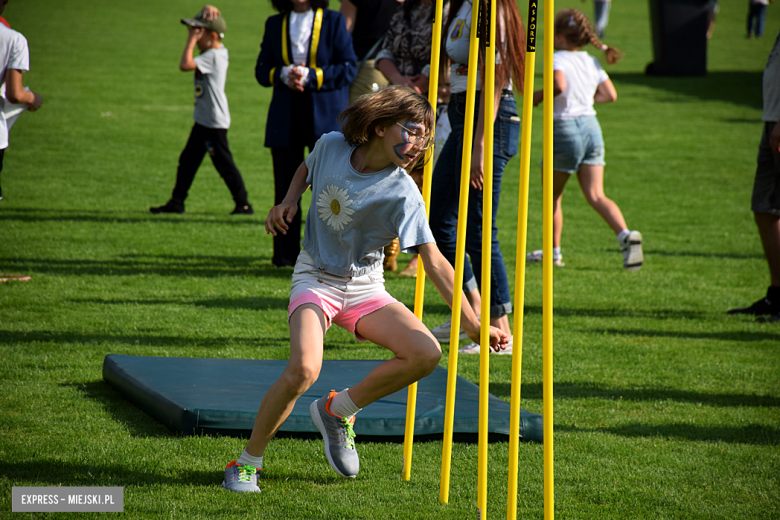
{"x": 679, "y": 29}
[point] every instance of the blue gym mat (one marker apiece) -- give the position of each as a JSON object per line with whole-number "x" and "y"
{"x": 201, "y": 396}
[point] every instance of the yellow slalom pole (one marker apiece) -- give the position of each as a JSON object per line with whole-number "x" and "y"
{"x": 547, "y": 263}
{"x": 488, "y": 95}
{"x": 419, "y": 297}
{"x": 522, "y": 235}
{"x": 460, "y": 257}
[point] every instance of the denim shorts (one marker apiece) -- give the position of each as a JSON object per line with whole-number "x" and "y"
{"x": 343, "y": 300}
{"x": 577, "y": 141}
{"x": 766, "y": 187}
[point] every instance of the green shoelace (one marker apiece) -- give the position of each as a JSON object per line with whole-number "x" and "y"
{"x": 245, "y": 473}
{"x": 350, "y": 440}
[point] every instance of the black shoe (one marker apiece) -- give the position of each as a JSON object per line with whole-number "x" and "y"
{"x": 1, "y": 193}
{"x": 243, "y": 209}
{"x": 770, "y": 319}
{"x": 768, "y": 305}
{"x": 169, "y": 207}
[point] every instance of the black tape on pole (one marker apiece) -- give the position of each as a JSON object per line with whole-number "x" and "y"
{"x": 531, "y": 38}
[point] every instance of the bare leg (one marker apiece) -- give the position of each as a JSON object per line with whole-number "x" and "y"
{"x": 769, "y": 230}
{"x": 559, "y": 182}
{"x": 592, "y": 182}
{"x": 307, "y": 331}
{"x": 416, "y": 353}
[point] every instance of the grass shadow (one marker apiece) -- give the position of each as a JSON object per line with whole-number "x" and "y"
{"x": 720, "y": 336}
{"x": 583, "y": 390}
{"x": 137, "y": 340}
{"x": 37, "y": 215}
{"x": 737, "y": 87}
{"x": 659, "y": 314}
{"x": 189, "y": 266}
{"x": 131, "y": 418}
{"x": 257, "y": 303}
{"x": 755, "y": 434}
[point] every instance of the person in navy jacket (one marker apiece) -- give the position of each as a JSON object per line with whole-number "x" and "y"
{"x": 307, "y": 57}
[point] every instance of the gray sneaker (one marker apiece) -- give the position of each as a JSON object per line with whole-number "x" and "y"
{"x": 338, "y": 436}
{"x": 632, "y": 251}
{"x": 442, "y": 332}
{"x": 241, "y": 478}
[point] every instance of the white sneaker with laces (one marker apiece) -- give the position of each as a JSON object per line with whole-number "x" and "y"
{"x": 442, "y": 332}
{"x": 631, "y": 247}
{"x": 536, "y": 256}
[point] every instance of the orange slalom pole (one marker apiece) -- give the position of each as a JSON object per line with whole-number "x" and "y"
{"x": 522, "y": 235}
{"x": 419, "y": 297}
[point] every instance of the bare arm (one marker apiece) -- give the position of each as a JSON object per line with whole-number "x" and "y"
{"x": 15, "y": 92}
{"x": 605, "y": 93}
{"x": 559, "y": 85}
{"x": 442, "y": 275}
{"x": 349, "y": 10}
{"x": 289, "y": 207}
{"x": 187, "y": 63}
{"x": 478, "y": 146}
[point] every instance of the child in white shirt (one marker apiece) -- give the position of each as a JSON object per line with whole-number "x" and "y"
{"x": 579, "y": 82}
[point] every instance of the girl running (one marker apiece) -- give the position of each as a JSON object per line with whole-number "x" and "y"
{"x": 362, "y": 199}
{"x": 579, "y": 82}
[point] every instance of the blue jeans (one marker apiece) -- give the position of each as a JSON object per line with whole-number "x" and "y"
{"x": 601, "y": 16}
{"x": 758, "y": 13}
{"x": 445, "y": 193}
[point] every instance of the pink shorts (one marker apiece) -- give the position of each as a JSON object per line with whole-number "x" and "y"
{"x": 343, "y": 300}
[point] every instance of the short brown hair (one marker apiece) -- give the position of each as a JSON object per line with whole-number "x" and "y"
{"x": 384, "y": 107}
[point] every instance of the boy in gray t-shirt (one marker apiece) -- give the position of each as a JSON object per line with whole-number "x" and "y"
{"x": 211, "y": 115}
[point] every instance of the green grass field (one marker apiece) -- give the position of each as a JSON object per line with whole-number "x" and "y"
{"x": 665, "y": 407}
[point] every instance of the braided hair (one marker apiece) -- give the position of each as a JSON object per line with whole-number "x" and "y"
{"x": 575, "y": 27}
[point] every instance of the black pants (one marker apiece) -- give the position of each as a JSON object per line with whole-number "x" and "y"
{"x": 286, "y": 162}
{"x": 214, "y": 141}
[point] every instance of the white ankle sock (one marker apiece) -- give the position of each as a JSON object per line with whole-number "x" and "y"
{"x": 342, "y": 406}
{"x": 556, "y": 253}
{"x": 250, "y": 460}
{"x": 622, "y": 236}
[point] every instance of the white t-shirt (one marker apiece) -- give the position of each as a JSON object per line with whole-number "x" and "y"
{"x": 583, "y": 76}
{"x": 211, "y": 104}
{"x": 354, "y": 215}
{"x": 771, "y": 85}
{"x": 457, "y": 45}
{"x": 14, "y": 54}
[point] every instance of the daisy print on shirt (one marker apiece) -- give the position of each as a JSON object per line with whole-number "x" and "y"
{"x": 333, "y": 206}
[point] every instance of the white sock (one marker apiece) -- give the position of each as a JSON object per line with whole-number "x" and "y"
{"x": 250, "y": 460}
{"x": 342, "y": 406}
{"x": 556, "y": 253}
{"x": 622, "y": 236}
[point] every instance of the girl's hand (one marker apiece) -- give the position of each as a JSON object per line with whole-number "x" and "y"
{"x": 276, "y": 218}
{"x": 498, "y": 338}
{"x": 477, "y": 158}
{"x": 195, "y": 32}
{"x": 212, "y": 13}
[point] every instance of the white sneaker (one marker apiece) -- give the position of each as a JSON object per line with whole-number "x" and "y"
{"x": 631, "y": 247}
{"x": 473, "y": 348}
{"x": 536, "y": 256}
{"x": 442, "y": 332}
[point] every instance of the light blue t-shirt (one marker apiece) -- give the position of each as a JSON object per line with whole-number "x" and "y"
{"x": 354, "y": 215}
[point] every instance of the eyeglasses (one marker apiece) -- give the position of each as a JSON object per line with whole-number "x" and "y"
{"x": 421, "y": 141}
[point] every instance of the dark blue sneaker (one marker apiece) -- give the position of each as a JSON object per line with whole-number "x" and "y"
{"x": 338, "y": 436}
{"x": 241, "y": 478}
